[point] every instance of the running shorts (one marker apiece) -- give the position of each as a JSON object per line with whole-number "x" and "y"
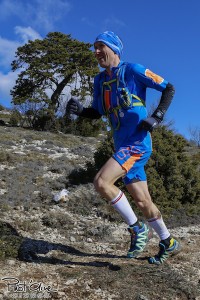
{"x": 132, "y": 161}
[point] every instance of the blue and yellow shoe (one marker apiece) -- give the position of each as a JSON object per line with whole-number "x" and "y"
{"x": 139, "y": 239}
{"x": 164, "y": 253}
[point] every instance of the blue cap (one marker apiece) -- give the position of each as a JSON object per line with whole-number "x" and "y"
{"x": 111, "y": 40}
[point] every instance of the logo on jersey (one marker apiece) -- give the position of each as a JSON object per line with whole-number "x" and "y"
{"x": 156, "y": 78}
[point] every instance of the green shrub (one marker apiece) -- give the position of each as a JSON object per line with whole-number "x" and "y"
{"x": 15, "y": 118}
{"x": 56, "y": 220}
{"x": 10, "y": 241}
{"x": 80, "y": 126}
{"x": 173, "y": 177}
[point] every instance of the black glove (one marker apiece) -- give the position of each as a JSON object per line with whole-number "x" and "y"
{"x": 149, "y": 124}
{"x": 74, "y": 107}
{"x": 152, "y": 122}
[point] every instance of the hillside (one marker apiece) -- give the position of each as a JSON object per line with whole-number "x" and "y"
{"x": 72, "y": 249}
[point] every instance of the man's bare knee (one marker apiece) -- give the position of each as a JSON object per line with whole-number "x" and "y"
{"x": 99, "y": 184}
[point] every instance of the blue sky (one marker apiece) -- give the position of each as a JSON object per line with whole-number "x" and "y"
{"x": 161, "y": 35}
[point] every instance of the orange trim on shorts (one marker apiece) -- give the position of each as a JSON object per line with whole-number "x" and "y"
{"x": 130, "y": 162}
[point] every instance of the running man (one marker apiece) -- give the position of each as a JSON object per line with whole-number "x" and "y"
{"x": 120, "y": 94}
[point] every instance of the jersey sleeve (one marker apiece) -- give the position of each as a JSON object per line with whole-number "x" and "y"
{"x": 96, "y": 93}
{"x": 97, "y": 102}
{"x": 148, "y": 78}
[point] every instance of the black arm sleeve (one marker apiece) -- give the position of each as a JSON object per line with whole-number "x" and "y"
{"x": 165, "y": 101}
{"x": 90, "y": 112}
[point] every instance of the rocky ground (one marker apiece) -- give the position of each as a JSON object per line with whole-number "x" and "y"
{"x": 69, "y": 250}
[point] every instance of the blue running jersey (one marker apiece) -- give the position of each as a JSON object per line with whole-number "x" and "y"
{"x": 125, "y": 120}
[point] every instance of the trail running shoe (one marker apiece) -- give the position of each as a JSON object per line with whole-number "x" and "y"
{"x": 164, "y": 253}
{"x": 139, "y": 239}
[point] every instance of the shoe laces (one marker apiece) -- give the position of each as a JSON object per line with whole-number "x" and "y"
{"x": 133, "y": 234}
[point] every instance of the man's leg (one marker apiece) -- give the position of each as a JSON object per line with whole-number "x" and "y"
{"x": 167, "y": 245}
{"x": 140, "y": 193}
{"x": 104, "y": 185}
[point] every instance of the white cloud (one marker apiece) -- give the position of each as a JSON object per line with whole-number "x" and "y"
{"x": 7, "y": 81}
{"x": 27, "y": 33}
{"x": 9, "y": 47}
{"x": 49, "y": 12}
{"x": 113, "y": 22}
{"x": 7, "y": 52}
{"x": 38, "y": 14}
{"x": 7, "y": 55}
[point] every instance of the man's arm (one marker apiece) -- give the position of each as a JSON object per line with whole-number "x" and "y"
{"x": 165, "y": 101}
{"x": 90, "y": 112}
{"x": 75, "y": 107}
{"x": 158, "y": 115}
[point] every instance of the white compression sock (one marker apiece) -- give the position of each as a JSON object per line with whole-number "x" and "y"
{"x": 159, "y": 226}
{"x": 121, "y": 204}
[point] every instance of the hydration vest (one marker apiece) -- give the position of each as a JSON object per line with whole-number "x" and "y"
{"x": 125, "y": 100}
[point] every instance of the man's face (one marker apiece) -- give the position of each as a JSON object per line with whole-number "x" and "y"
{"x": 105, "y": 56}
